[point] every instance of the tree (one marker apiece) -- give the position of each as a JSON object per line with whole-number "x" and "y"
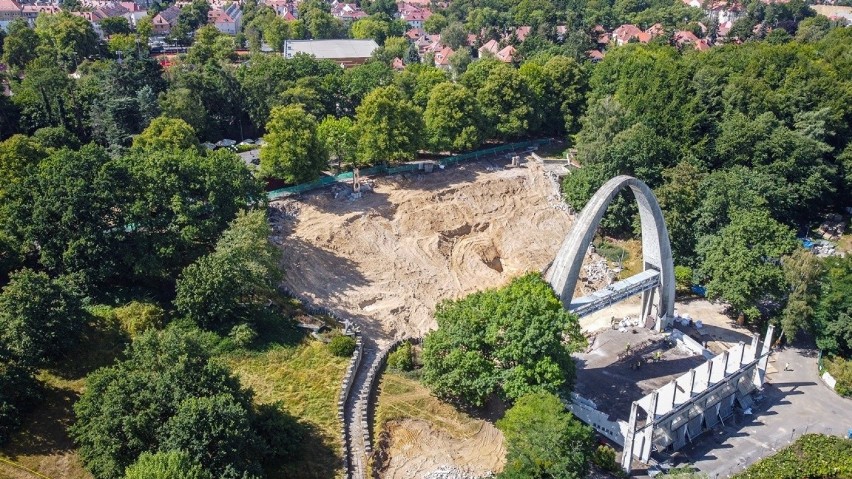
{"x": 231, "y": 284}
{"x": 802, "y": 272}
{"x": 507, "y": 341}
{"x": 144, "y": 402}
{"x": 505, "y": 99}
{"x": 167, "y": 134}
{"x": 435, "y": 23}
{"x": 19, "y": 393}
{"x": 67, "y": 39}
{"x": 454, "y": 36}
{"x": 55, "y": 138}
{"x": 338, "y": 137}
{"x": 180, "y": 202}
{"x": 834, "y": 309}
{"x": 210, "y": 45}
{"x": 679, "y": 199}
{"x": 544, "y": 440}
{"x": 376, "y": 27}
{"x": 389, "y": 127}
{"x": 453, "y": 119}
{"x": 115, "y": 25}
{"x": 20, "y": 44}
{"x": 19, "y": 157}
{"x": 215, "y": 431}
{"x": 292, "y": 151}
{"x": 40, "y": 318}
{"x": 166, "y": 465}
{"x": 69, "y": 214}
{"x": 741, "y": 262}
{"x": 46, "y": 96}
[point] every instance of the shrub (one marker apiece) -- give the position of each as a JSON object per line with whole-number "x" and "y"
{"x": 136, "y": 317}
{"x": 166, "y": 465}
{"x": 683, "y": 278}
{"x": 841, "y": 370}
{"x": 402, "y": 359}
{"x": 605, "y": 458}
{"x": 342, "y": 346}
{"x": 243, "y": 335}
{"x": 812, "y": 455}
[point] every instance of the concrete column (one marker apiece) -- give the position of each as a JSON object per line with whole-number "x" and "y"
{"x": 629, "y": 436}
{"x": 649, "y": 428}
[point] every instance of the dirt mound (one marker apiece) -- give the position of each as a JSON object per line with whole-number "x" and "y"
{"x": 389, "y": 257}
{"x": 416, "y": 449}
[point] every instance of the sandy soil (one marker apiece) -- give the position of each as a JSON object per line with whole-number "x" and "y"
{"x": 416, "y": 449}
{"x": 388, "y": 258}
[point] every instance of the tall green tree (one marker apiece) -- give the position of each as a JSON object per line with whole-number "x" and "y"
{"x": 20, "y": 44}
{"x": 65, "y": 38}
{"x": 338, "y": 137}
{"x": 505, "y": 98}
{"x": 40, "y": 319}
{"x": 834, "y": 309}
{"x": 230, "y": 284}
{"x": 742, "y": 262}
{"x": 166, "y": 465}
{"x": 507, "y": 341}
{"x": 167, "y": 134}
{"x": 292, "y": 151}
{"x": 453, "y": 119}
{"x": 142, "y": 403}
{"x": 389, "y": 127}
{"x": 544, "y": 440}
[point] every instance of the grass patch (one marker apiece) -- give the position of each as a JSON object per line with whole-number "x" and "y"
{"x": 402, "y": 396}
{"x": 306, "y": 377}
{"x": 628, "y": 253}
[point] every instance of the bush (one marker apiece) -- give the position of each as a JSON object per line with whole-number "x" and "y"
{"x": 342, "y": 346}
{"x": 812, "y": 455}
{"x": 166, "y": 465}
{"x": 683, "y": 278}
{"x": 136, "y": 317}
{"x": 841, "y": 370}
{"x": 544, "y": 440}
{"x": 243, "y": 335}
{"x": 402, "y": 359}
{"x": 605, "y": 458}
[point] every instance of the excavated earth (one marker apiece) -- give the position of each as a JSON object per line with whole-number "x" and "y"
{"x": 389, "y": 257}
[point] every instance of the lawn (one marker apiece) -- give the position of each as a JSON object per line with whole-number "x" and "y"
{"x": 306, "y": 379}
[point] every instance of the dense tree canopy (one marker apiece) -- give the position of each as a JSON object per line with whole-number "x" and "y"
{"x": 543, "y": 440}
{"x": 507, "y": 341}
{"x": 293, "y": 152}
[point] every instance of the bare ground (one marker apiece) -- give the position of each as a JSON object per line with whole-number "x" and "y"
{"x": 388, "y": 258}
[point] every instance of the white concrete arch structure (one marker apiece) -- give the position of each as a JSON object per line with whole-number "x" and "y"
{"x": 656, "y": 250}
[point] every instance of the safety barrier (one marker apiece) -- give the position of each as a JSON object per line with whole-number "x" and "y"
{"x": 408, "y": 167}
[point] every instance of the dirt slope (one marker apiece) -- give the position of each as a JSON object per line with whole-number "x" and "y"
{"x": 389, "y": 257}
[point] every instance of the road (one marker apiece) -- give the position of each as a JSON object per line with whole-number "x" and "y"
{"x": 795, "y": 402}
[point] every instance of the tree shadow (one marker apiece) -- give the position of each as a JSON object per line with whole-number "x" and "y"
{"x": 44, "y": 429}
{"x": 102, "y": 342}
{"x": 298, "y": 448}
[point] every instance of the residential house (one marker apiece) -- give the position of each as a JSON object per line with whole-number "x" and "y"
{"x": 595, "y": 55}
{"x": 626, "y": 33}
{"x": 347, "y": 12}
{"x": 684, "y": 37}
{"x": 442, "y": 58}
{"x": 226, "y": 20}
{"x": 490, "y": 47}
{"x": 398, "y": 64}
{"x": 521, "y": 33}
{"x": 507, "y": 55}
{"x": 415, "y": 16}
{"x": 10, "y": 10}
{"x": 30, "y": 12}
{"x": 164, "y": 21}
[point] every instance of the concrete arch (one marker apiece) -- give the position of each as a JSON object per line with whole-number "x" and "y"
{"x": 656, "y": 250}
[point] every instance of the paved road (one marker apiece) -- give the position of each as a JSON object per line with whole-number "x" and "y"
{"x": 355, "y": 404}
{"x": 795, "y": 402}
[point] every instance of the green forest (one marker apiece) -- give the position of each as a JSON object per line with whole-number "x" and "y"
{"x": 116, "y": 222}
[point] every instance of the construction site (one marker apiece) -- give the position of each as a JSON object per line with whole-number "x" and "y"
{"x": 385, "y": 257}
